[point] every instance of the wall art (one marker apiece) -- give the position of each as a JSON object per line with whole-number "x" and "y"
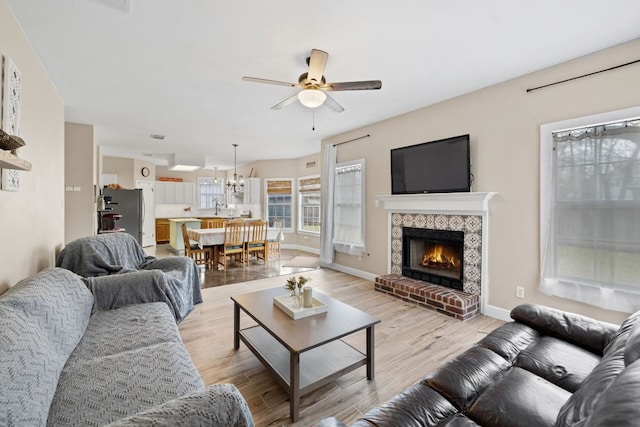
{"x": 11, "y": 97}
{"x": 10, "y": 180}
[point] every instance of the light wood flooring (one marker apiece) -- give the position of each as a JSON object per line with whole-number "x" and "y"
{"x": 410, "y": 342}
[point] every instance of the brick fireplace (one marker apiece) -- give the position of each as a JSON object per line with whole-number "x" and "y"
{"x": 462, "y": 215}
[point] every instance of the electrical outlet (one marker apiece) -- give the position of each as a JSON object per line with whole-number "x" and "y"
{"x": 519, "y": 292}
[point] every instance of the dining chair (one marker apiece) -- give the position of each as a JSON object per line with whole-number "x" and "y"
{"x": 201, "y": 256}
{"x": 233, "y": 242}
{"x": 256, "y": 241}
{"x": 274, "y": 244}
{"x": 216, "y": 223}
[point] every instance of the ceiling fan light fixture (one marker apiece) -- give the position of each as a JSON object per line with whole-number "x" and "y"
{"x": 312, "y": 98}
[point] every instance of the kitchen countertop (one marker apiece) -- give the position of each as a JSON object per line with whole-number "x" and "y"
{"x": 184, "y": 219}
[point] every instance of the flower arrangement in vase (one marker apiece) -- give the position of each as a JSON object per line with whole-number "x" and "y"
{"x": 294, "y": 285}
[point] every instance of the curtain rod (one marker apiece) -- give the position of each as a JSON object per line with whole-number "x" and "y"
{"x": 584, "y": 75}
{"x": 351, "y": 140}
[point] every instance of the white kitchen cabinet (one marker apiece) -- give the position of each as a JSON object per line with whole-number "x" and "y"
{"x": 175, "y": 193}
{"x": 251, "y": 191}
{"x": 185, "y": 193}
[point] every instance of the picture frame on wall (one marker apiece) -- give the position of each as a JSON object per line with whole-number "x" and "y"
{"x": 10, "y": 180}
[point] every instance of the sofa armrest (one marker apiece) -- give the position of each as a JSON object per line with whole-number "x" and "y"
{"x": 219, "y": 405}
{"x": 331, "y": 422}
{"x": 585, "y": 332}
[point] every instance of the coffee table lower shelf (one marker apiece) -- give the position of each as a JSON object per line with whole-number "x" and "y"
{"x": 318, "y": 366}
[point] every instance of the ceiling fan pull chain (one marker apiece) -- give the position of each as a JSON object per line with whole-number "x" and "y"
{"x": 313, "y": 128}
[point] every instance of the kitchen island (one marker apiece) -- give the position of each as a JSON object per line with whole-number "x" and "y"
{"x": 175, "y": 231}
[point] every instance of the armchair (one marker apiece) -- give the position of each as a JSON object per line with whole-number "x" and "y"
{"x": 118, "y": 272}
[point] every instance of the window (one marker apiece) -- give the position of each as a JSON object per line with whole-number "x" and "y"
{"x": 210, "y": 191}
{"x": 309, "y": 200}
{"x": 279, "y": 202}
{"x": 591, "y": 215}
{"x": 348, "y": 219}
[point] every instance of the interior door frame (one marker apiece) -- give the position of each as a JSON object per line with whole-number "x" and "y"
{"x": 148, "y": 217}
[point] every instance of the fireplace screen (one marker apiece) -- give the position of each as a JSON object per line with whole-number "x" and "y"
{"x": 433, "y": 255}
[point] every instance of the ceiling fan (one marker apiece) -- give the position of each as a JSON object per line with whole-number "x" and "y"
{"x": 314, "y": 85}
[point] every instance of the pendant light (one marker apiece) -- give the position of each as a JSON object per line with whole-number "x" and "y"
{"x": 233, "y": 185}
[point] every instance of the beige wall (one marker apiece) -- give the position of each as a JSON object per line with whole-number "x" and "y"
{"x": 503, "y": 121}
{"x": 80, "y": 217}
{"x": 32, "y": 220}
{"x": 128, "y": 170}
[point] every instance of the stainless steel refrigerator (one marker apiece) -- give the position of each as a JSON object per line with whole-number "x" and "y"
{"x": 129, "y": 204}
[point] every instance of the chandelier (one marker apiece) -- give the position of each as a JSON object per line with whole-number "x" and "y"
{"x": 233, "y": 185}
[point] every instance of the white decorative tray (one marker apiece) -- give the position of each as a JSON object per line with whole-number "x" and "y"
{"x": 285, "y": 303}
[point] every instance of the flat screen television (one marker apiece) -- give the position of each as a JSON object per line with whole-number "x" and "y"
{"x": 440, "y": 166}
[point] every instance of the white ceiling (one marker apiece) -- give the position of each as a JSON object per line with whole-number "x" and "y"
{"x": 174, "y": 67}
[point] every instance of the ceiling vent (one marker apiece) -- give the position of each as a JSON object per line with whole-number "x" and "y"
{"x": 156, "y": 136}
{"x": 185, "y": 162}
{"x": 311, "y": 164}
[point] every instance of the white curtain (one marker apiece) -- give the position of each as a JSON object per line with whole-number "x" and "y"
{"x": 349, "y": 208}
{"x": 327, "y": 253}
{"x": 591, "y": 244}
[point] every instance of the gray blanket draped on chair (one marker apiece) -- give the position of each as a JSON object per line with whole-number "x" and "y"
{"x": 118, "y": 273}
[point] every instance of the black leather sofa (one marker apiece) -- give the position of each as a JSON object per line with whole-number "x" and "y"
{"x": 546, "y": 367}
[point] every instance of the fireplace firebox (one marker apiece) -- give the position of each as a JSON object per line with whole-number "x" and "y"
{"x": 434, "y": 256}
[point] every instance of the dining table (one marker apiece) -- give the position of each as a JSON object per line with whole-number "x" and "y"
{"x": 214, "y": 237}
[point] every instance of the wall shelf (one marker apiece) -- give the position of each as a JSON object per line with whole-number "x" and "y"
{"x": 11, "y": 161}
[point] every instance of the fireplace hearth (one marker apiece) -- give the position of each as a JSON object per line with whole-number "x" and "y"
{"x": 433, "y": 256}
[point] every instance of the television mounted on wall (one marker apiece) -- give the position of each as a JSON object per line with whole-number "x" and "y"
{"x": 442, "y": 166}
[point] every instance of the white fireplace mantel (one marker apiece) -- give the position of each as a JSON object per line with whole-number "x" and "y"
{"x": 450, "y": 203}
{"x": 444, "y": 204}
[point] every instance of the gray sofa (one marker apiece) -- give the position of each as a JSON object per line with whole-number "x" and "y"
{"x": 62, "y": 363}
{"x": 118, "y": 272}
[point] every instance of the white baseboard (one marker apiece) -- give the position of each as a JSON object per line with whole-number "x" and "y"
{"x": 301, "y": 248}
{"x": 352, "y": 271}
{"x": 497, "y": 312}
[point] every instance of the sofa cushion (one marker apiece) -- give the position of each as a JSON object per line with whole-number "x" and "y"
{"x": 562, "y": 363}
{"x": 42, "y": 318}
{"x": 519, "y": 398}
{"x": 462, "y": 379}
{"x": 127, "y": 328}
{"x": 509, "y": 340}
{"x": 102, "y": 390}
{"x": 129, "y": 360}
{"x": 417, "y": 406}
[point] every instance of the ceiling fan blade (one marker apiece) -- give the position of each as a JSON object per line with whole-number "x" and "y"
{"x": 285, "y": 102}
{"x": 317, "y": 62}
{"x": 363, "y": 85}
{"x": 333, "y": 104}
{"x": 271, "y": 82}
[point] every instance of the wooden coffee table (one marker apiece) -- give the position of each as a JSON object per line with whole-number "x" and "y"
{"x": 307, "y": 353}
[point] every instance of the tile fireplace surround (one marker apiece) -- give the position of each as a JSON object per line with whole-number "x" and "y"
{"x": 467, "y": 212}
